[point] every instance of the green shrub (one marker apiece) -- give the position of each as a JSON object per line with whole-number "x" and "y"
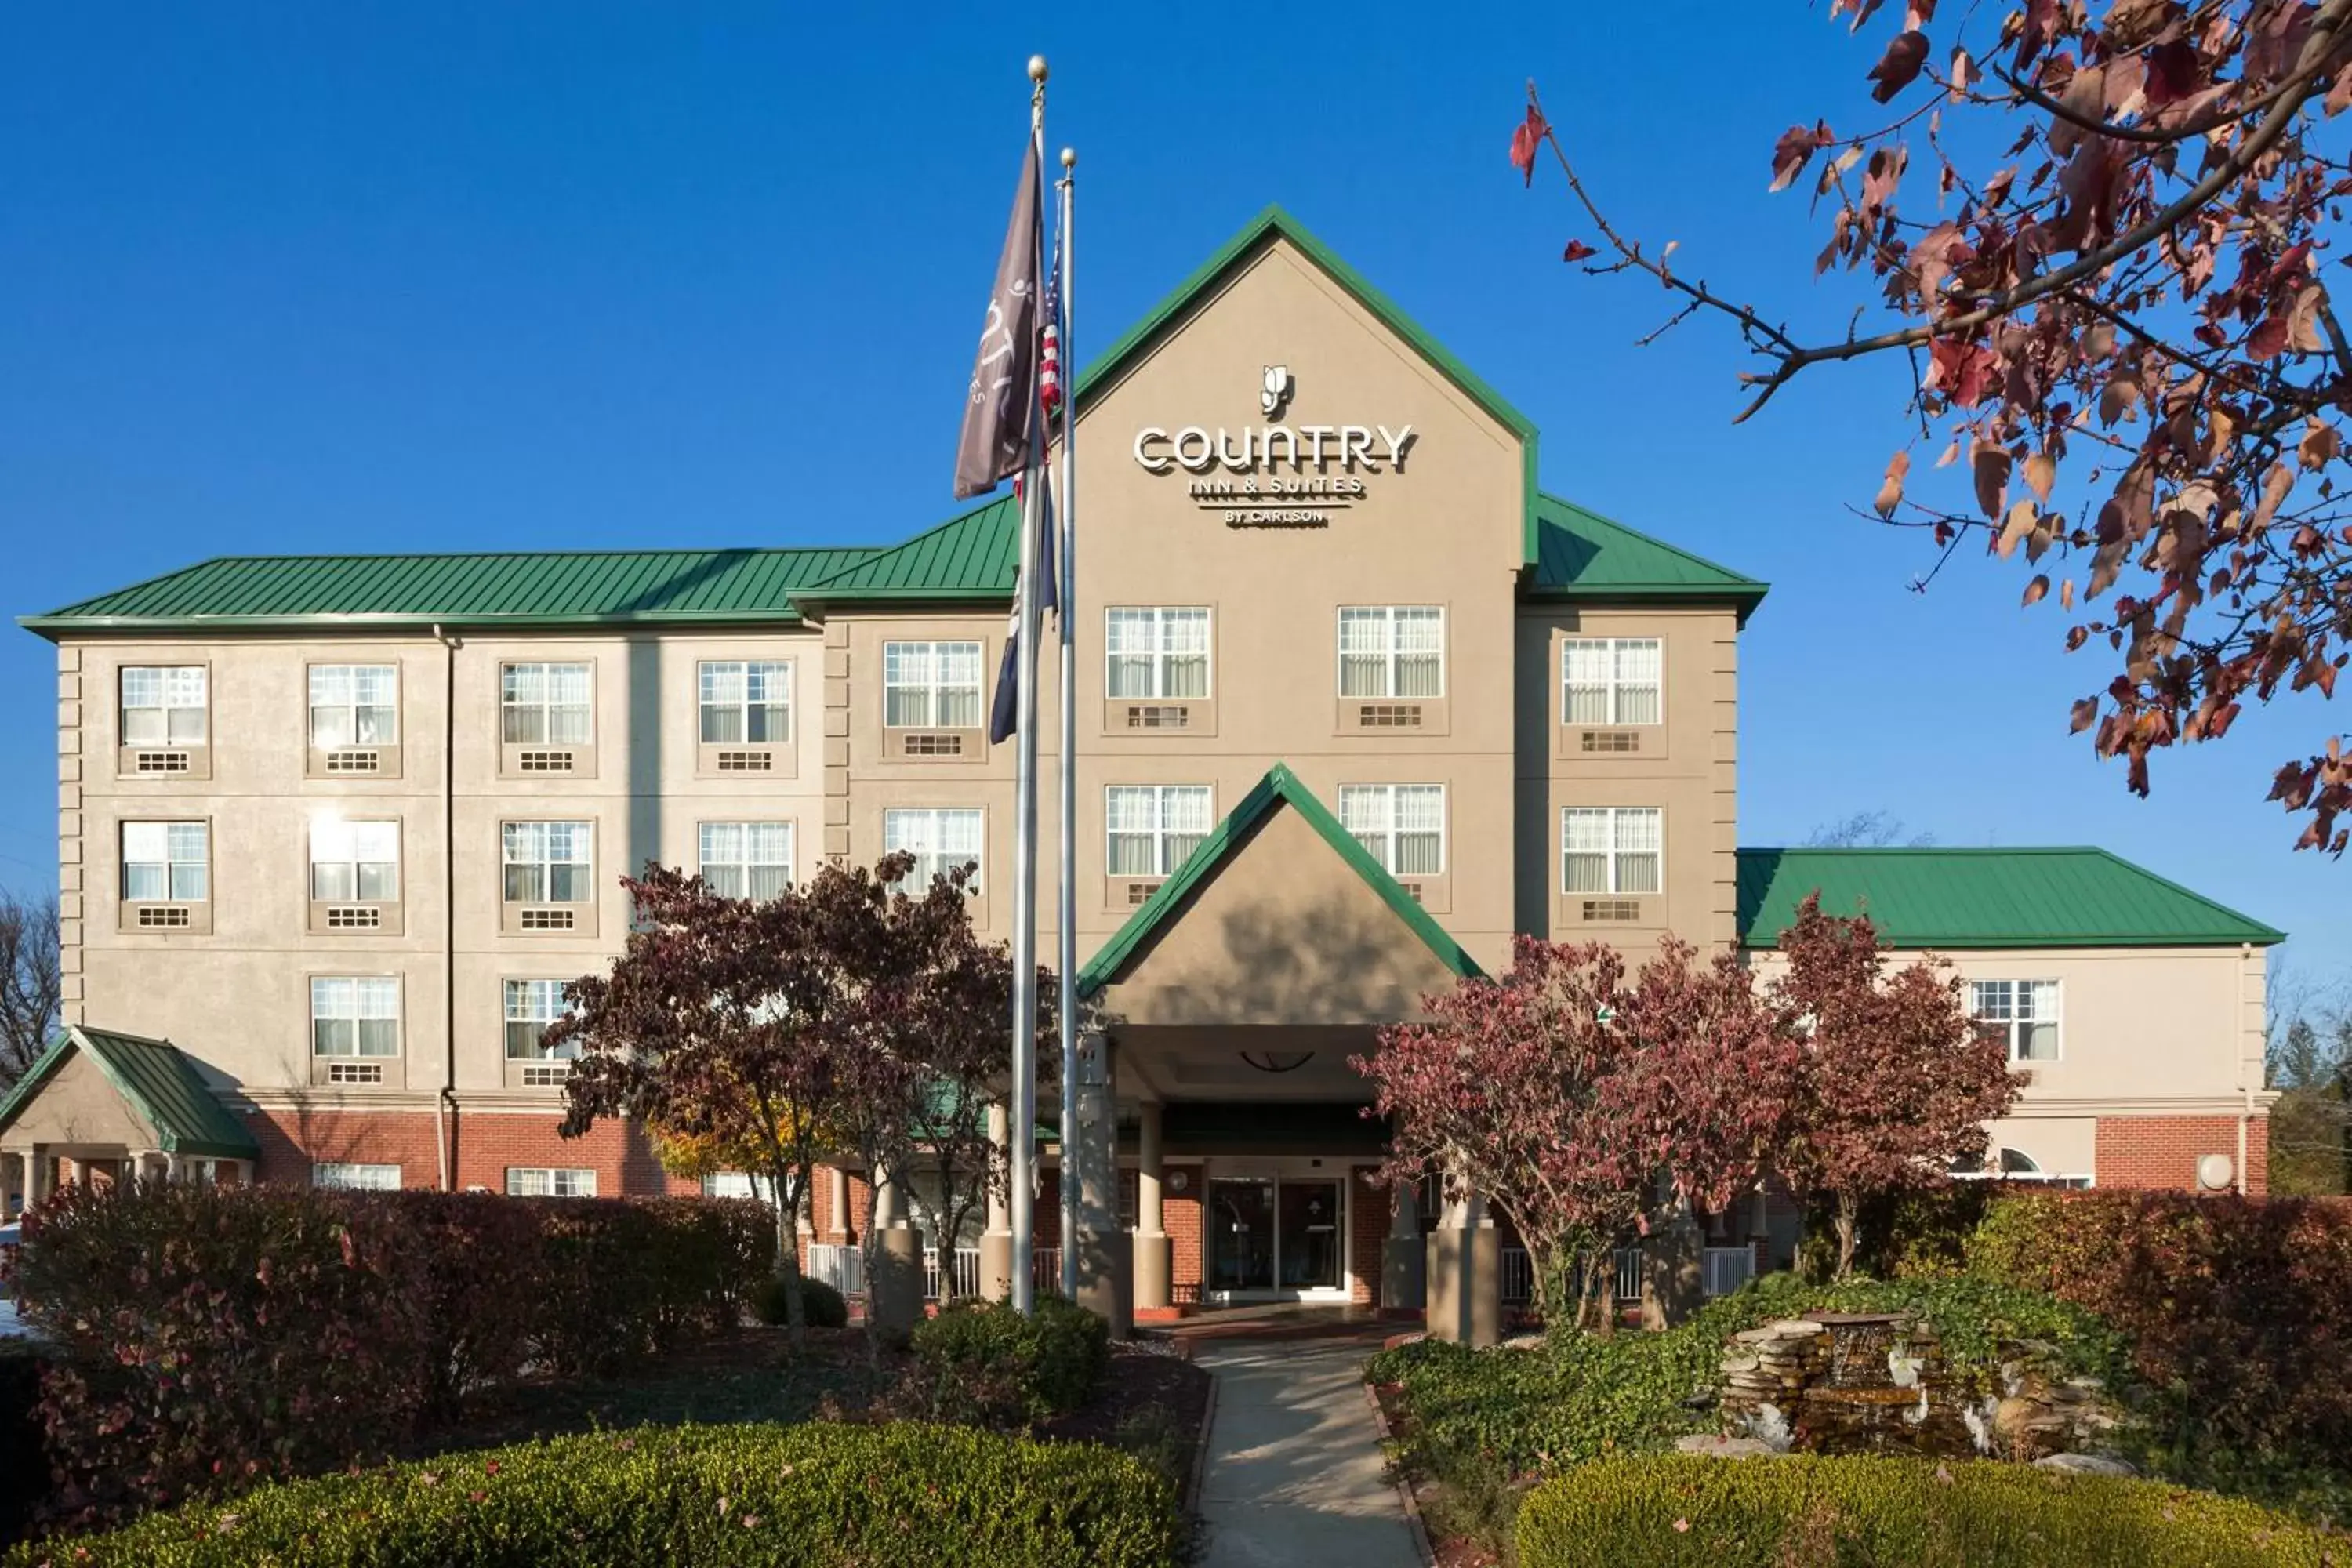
{"x": 822, "y": 1306}
{"x": 211, "y": 1338}
{"x": 1679, "y": 1511}
{"x": 716, "y": 1497}
{"x": 985, "y": 1365}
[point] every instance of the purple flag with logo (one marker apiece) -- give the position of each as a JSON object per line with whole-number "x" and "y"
{"x": 1001, "y": 404}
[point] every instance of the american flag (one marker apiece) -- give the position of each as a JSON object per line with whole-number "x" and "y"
{"x": 1049, "y": 358}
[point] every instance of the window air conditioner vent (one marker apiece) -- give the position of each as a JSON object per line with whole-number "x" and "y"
{"x": 746, "y": 761}
{"x": 355, "y": 917}
{"x": 1413, "y": 890}
{"x": 1610, "y": 741}
{"x": 1140, "y": 892}
{"x": 545, "y": 1074}
{"x": 543, "y": 761}
{"x": 1389, "y": 716}
{"x": 354, "y": 1072}
{"x": 547, "y": 920}
{"x": 931, "y": 744}
{"x": 1159, "y": 716}
{"x": 164, "y": 917}
{"x": 354, "y": 762}
{"x": 1613, "y": 908}
{"x": 161, "y": 762}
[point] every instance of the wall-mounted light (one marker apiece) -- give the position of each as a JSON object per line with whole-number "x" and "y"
{"x": 1277, "y": 1062}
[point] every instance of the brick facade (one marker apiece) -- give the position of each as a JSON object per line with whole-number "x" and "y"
{"x": 1368, "y": 1233}
{"x": 1180, "y": 1213}
{"x": 488, "y": 1144}
{"x": 2163, "y": 1150}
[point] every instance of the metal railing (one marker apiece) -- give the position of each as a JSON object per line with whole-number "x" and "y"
{"x": 1727, "y": 1268}
{"x": 965, "y": 1261}
{"x": 840, "y": 1266}
{"x": 1046, "y": 1270}
{"x": 1519, "y": 1271}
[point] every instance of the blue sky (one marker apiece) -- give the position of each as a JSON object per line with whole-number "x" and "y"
{"x": 421, "y": 276}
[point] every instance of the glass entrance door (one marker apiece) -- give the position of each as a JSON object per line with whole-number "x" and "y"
{"x": 1308, "y": 1222}
{"x": 1241, "y": 1234}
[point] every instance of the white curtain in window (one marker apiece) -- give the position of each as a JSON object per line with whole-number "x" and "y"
{"x": 1638, "y": 663}
{"x": 530, "y": 1006}
{"x": 937, "y": 838}
{"x": 1186, "y": 671}
{"x": 1131, "y": 639}
{"x": 1585, "y": 844}
{"x": 1420, "y": 830}
{"x": 1133, "y": 813}
{"x": 1421, "y": 652}
{"x": 1586, "y": 671}
{"x": 1638, "y": 842}
{"x": 1363, "y": 653}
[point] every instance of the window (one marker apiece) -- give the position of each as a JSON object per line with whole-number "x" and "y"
{"x": 1392, "y": 650}
{"x": 163, "y": 705}
{"x": 166, "y": 862}
{"x": 544, "y": 704}
{"x": 746, "y": 860}
{"x": 1404, "y": 825}
{"x": 1152, "y": 828}
{"x": 355, "y": 1018}
{"x": 938, "y": 839}
{"x": 535, "y": 1182}
{"x": 531, "y": 1006}
{"x": 930, "y": 685}
{"x": 736, "y": 1184}
{"x": 2024, "y": 1011}
{"x": 548, "y": 862}
{"x": 356, "y": 1178}
{"x": 354, "y": 705}
{"x": 1611, "y": 681}
{"x": 1157, "y": 653}
{"x": 354, "y": 862}
{"x": 746, "y": 703}
{"x": 1611, "y": 849}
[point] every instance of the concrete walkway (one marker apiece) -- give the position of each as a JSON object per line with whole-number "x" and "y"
{"x": 1293, "y": 1471}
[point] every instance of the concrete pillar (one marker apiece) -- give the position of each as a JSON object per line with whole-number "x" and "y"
{"x": 12, "y": 1183}
{"x": 894, "y": 1294}
{"x": 1404, "y": 1258}
{"x": 1465, "y": 1288}
{"x": 36, "y": 1175}
{"x": 1105, "y": 1256}
{"x": 1154, "y": 1256}
{"x": 1674, "y": 1269}
{"x": 996, "y": 1241}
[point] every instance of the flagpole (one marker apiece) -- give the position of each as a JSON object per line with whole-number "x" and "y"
{"x": 1065, "y": 929}
{"x": 1024, "y": 1194}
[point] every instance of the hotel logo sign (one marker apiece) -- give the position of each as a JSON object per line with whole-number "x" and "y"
{"x": 1275, "y": 475}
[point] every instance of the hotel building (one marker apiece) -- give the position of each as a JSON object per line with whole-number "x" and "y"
{"x": 1358, "y": 700}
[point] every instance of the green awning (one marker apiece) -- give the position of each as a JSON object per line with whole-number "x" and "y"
{"x": 160, "y": 1083}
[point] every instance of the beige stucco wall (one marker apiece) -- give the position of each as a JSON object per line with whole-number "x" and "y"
{"x": 79, "y": 1107}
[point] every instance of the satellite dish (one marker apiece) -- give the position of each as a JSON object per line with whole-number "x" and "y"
{"x": 2214, "y": 1173}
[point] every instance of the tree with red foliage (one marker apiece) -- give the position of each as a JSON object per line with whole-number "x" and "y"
{"x": 1565, "y": 1097}
{"x": 1895, "y": 1081}
{"x": 2122, "y": 323}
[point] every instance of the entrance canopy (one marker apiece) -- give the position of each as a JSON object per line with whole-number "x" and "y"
{"x": 102, "y": 1095}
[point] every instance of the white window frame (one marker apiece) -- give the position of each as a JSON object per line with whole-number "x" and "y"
{"x": 1160, "y": 619}
{"x": 537, "y": 1010}
{"x": 1615, "y": 686}
{"x": 1164, "y": 839}
{"x": 369, "y": 999}
{"x": 1391, "y": 618}
{"x": 931, "y": 680}
{"x": 512, "y": 706}
{"x": 744, "y": 861}
{"x": 355, "y": 1176}
{"x": 1379, "y": 839}
{"x": 775, "y": 678}
{"x": 348, "y": 858}
{"x": 2031, "y": 992}
{"x": 550, "y": 1182}
{"x": 348, "y": 706}
{"x": 918, "y": 829}
{"x": 1616, "y": 853}
{"x": 531, "y": 845}
{"x": 180, "y": 689}
{"x": 186, "y": 880}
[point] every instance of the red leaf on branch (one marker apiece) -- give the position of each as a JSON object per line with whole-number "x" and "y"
{"x": 1577, "y": 251}
{"x": 1794, "y": 150}
{"x": 1899, "y": 65}
{"x": 1526, "y": 139}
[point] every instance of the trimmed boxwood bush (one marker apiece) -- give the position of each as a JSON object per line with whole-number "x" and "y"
{"x": 821, "y": 1304}
{"x": 712, "y": 1496}
{"x": 984, "y": 1362}
{"x": 1682, "y": 1511}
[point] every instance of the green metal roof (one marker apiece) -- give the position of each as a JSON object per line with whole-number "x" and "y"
{"x": 1987, "y": 899}
{"x": 972, "y": 555}
{"x": 161, "y": 1085}
{"x": 539, "y": 588}
{"x": 1279, "y": 787}
{"x": 1582, "y": 555}
{"x": 1262, "y": 230}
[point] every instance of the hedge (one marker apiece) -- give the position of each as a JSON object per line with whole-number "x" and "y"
{"x": 208, "y": 1338}
{"x": 1685, "y": 1511}
{"x": 984, "y": 1362}
{"x": 818, "y": 1496}
{"x": 2239, "y": 1308}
